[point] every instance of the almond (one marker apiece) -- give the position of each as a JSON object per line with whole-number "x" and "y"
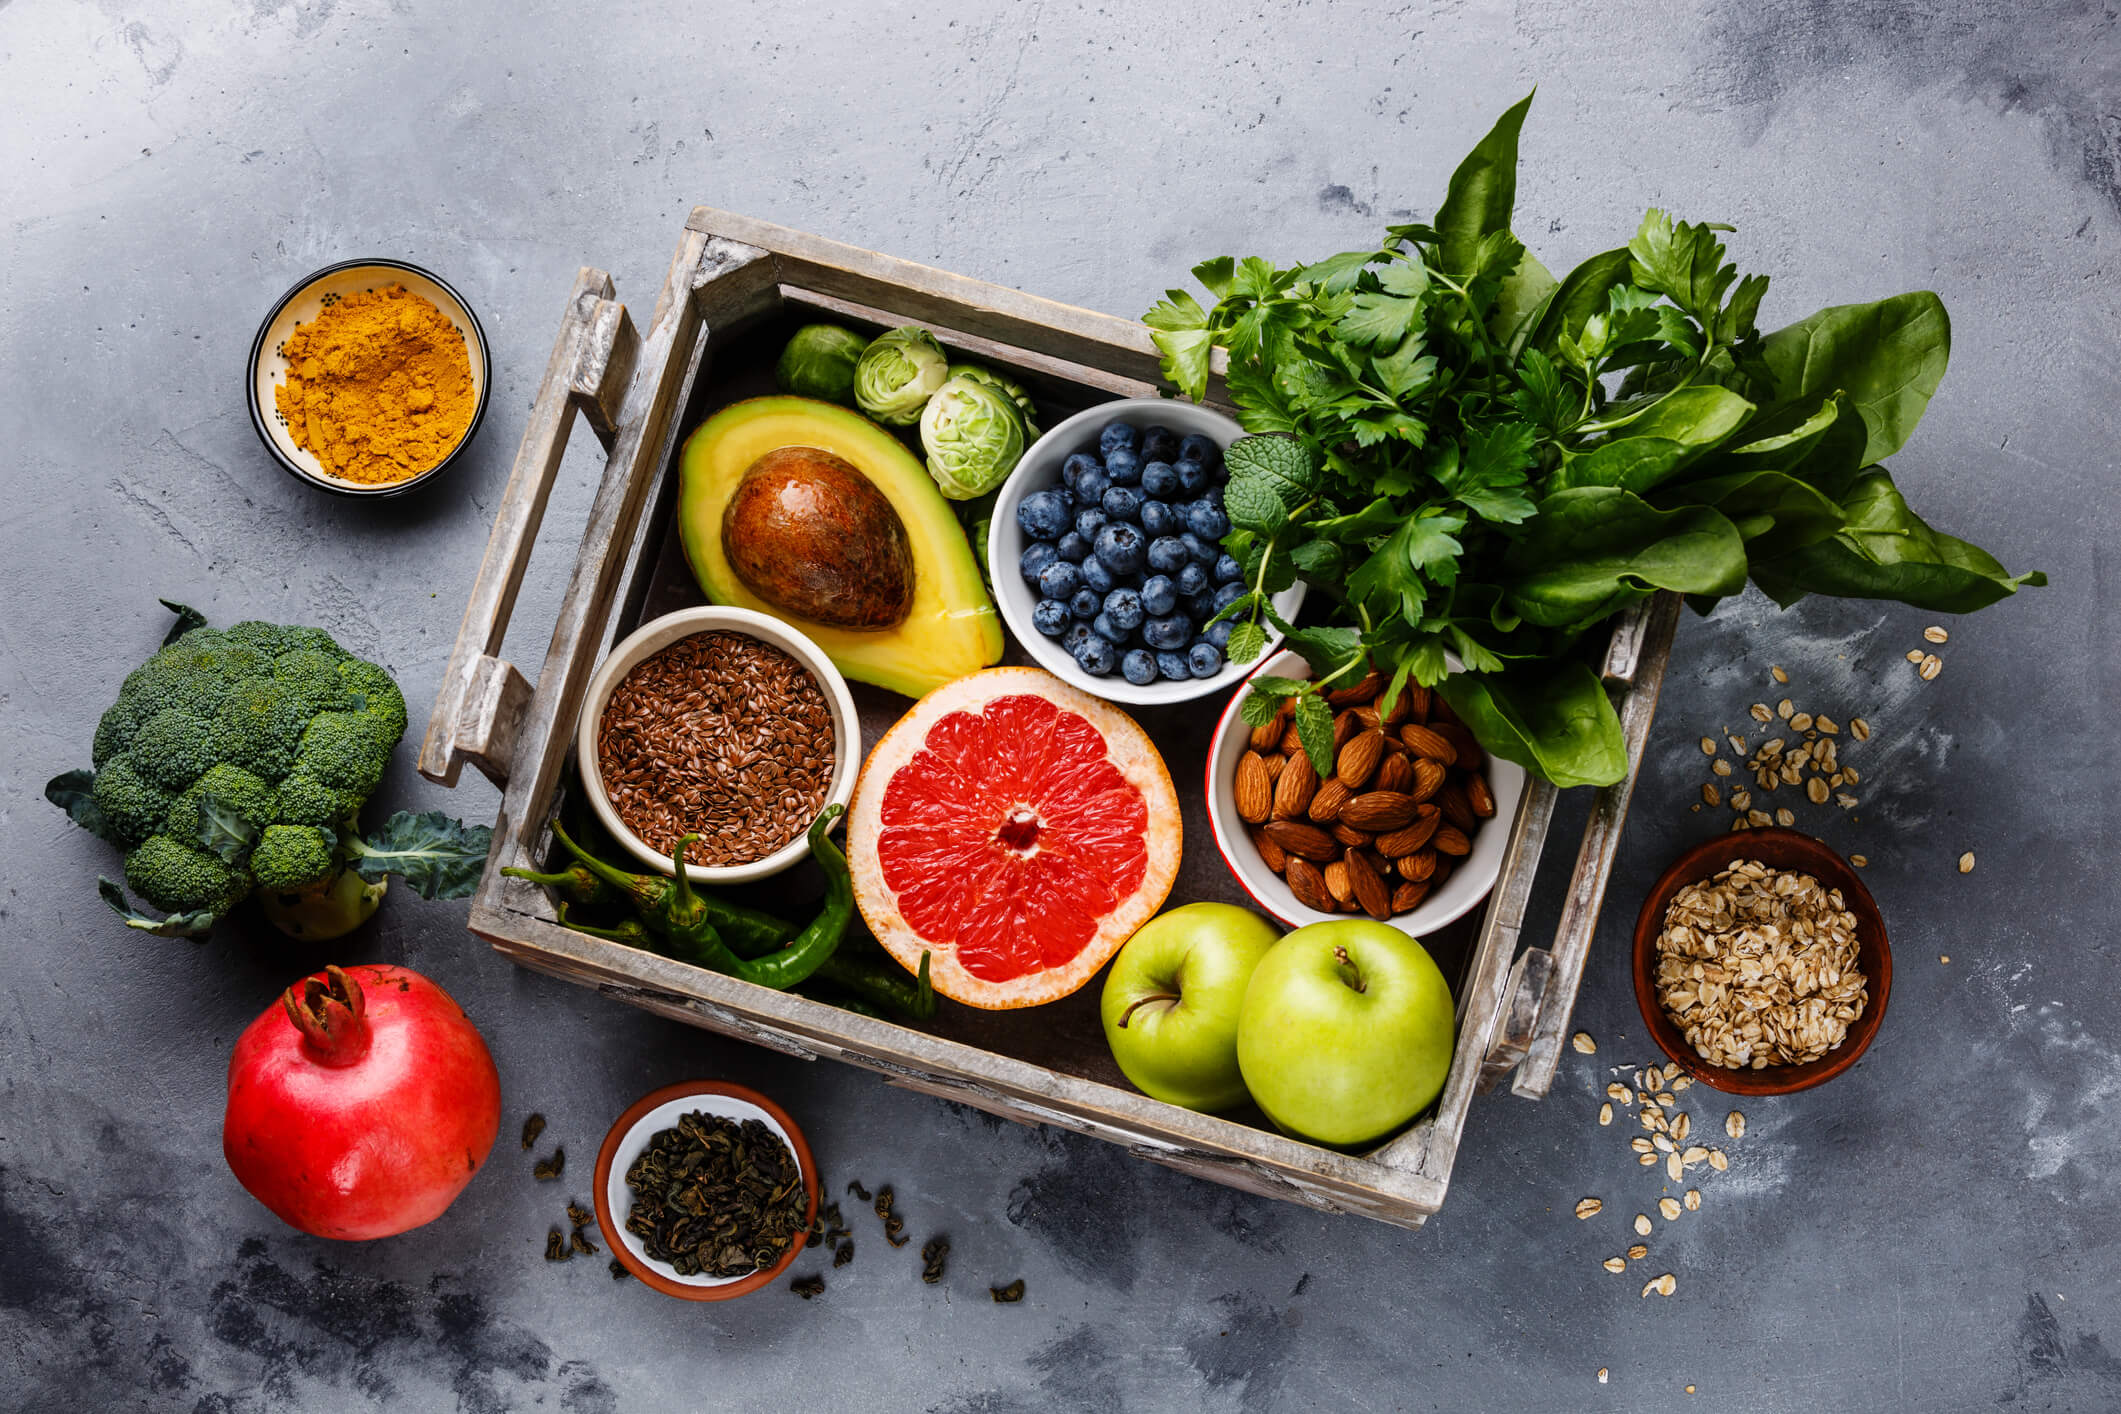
{"x": 1309, "y": 886}
{"x": 1397, "y": 711}
{"x": 1359, "y": 758}
{"x": 1325, "y": 805}
{"x": 1370, "y": 891}
{"x": 1349, "y": 836}
{"x": 1275, "y": 761}
{"x": 1418, "y": 700}
{"x": 1254, "y": 789}
{"x": 1428, "y": 742}
{"x": 1337, "y": 883}
{"x": 1378, "y": 810}
{"x": 1294, "y": 788}
{"x": 1443, "y": 871}
{"x": 1395, "y": 772}
{"x": 1418, "y": 867}
{"x": 1272, "y": 854}
{"x": 1411, "y": 836}
{"x": 1457, "y": 808}
{"x": 1452, "y": 840}
{"x": 1408, "y": 896}
{"x": 1292, "y": 741}
{"x": 1302, "y": 840}
{"x": 1364, "y": 691}
{"x": 1344, "y": 726}
{"x": 1470, "y": 756}
{"x": 1267, "y": 735}
{"x": 1368, "y": 717}
{"x": 1429, "y": 777}
{"x": 1479, "y": 796}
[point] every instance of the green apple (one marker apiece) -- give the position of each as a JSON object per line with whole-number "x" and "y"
{"x": 1171, "y": 1002}
{"x": 1346, "y": 1031}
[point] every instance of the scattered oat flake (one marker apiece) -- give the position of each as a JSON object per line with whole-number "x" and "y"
{"x": 1777, "y": 674}
{"x": 1966, "y": 862}
{"x": 1721, "y": 767}
{"x": 1670, "y": 1208}
{"x": 1693, "y": 1200}
{"x": 1605, "y": 1113}
{"x": 1719, "y": 1161}
{"x": 1785, "y": 817}
{"x": 1738, "y": 745}
{"x": 1826, "y": 725}
{"x": 1859, "y": 860}
{"x": 1784, "y": 708}
{"x": 1734, "y": 1124}
{"x": 1708, "y": 746}
{"x": 1642, "y": 1224}
{"x": 1618, "y": 1093}
{"x": 1663, "y": 1285}
{"x": 1935, "y": 634}
{"x": 1801, "y": 722}
{"x": 1639, "y": 1251}
{"x": 1931, "y": 666}
{"x": 1646, "y": 1160}
{"x": 1710, "y": 795}
{"x": 1944, "y": 957}
{"x": 1640, "y": 1145}
{"x": 1614, "y": 1264}
{"x": 1916, "y": 655}
{"x": 1859, "y": 729}
{"x": 1601, "y": 1374}
{"x": 1673, "y": 1169}
{"x": 1693, "y": 1155}
{"x": 1761, "y": 712}
{"x": 1583, "y": 1043}
{"x": 1588, "y": 1208}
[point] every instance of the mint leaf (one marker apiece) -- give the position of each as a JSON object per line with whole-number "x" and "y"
{"x": 1314, "y": 728}
{"x": 1279, "y": 686}
{"x": 1280, "y": 459}
{"x": 1256, "y": 709}
{"x": 1247, "y": 641}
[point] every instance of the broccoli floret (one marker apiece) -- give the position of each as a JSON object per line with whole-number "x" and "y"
{"x": 305, "y": 800}
{"x": 132, "y": 807}
{"x": 293, "y": 857}
{"x": 178, "y": 878}
{"x": 250, "y": 797}
{"x": 173, "y": 748}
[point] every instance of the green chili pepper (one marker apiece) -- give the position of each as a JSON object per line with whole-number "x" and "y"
{"x": 670, "y": 906}
{"x": 574, "y": 884}
{"x": 880, "y": 984}
{"x": 794, "y": 963}
{"x": 632, "y": 932}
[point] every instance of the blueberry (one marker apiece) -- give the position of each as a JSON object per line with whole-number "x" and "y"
{"x": 1076, "y": 635}
{"x": 1097, "y": 575}
{"x": 1124, "y": 468}
{"x": 1069, "y": 500}
{"x": 1159, "y": 444}
{"x": 1197, "y": 448}
{"x": 1138, "y": 667}
{"x": 1218, "y": 633}
{"x": 1091, "y": 484}
{"x": 1037, "y": 555}
{"x": 1159, "y": 519}
{"x": 1085, "y": 603}
{"x": 1213, "y": 496}
{"x": 1204, "y": 658}
{"x": 1208, "y": 522}
{"x": 1121, "y": 548}
{"x": 1123, "y": 503}
{"x": 1075, "y": 466}
{"x": 1115, "y": 436}
{"x": 1173, "y": 666}
{"x": 1196, "y": 608}
{"x": 1167, "y": 554}
{"x": 1167, "y": 633}
{"x": 1227, "y": 570}
{"x": 1059, "y": 580}
{"x": 1203, "y": 552}
{"x": 1160, "y": 479}
{"x": 1192, "y": 475}
{"x": 1050, "y": 617}
{"x": 1072, "y": 547}
{"x": 1088, "y": 521}
{"x": 1104, "y": 628}
{"x": 1097, "y": 656}
{"x": 1159, "y": 595}
{"x": 1043, "y": 515}
{"x": 1225, "y": 595}
{"x": 1124, "y": 607}
{"x": 1192, "y": 580}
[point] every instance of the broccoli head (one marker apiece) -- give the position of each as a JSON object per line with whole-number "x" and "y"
{"x": 236, "y": 761}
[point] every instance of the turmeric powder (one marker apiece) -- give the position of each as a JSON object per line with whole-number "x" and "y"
{"x": 378, "y": 386}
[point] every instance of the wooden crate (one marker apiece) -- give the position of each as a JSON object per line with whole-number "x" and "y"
{"x": 733, "y": 285}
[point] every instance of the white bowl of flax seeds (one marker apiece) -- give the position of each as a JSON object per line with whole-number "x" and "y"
{"x": 722, "y": 723}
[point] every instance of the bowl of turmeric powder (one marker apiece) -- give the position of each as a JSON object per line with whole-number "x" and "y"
{"x": 368, "y": 378}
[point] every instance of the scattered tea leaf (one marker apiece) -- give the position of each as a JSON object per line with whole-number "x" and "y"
{"x": 844, "y": 1255}
{"x": 556, "y": 1248}
{"x": 1005, "y": 1295}
{"x": 618, "y": 1270}
{"x": 807, "y": 1287}
{"x": 933, "y": 1256}
{"x": 550, "y": 1168}
{"x": 532, "y": 1128}
{"x": 582, "y": 1244}
{"x": 579, "y": 1215}
{"x": 854, "y": 1186}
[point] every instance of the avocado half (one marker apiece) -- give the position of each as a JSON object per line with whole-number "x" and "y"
{"x": 950, "y": 628}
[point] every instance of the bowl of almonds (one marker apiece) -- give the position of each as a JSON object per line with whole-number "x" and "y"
{"x": 1761, "y": 963}
{"x": 1409, "y": 826}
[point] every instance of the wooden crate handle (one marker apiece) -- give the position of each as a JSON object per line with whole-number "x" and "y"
{"x": 482, "y": 698}
{"x": 1641, "y": 647}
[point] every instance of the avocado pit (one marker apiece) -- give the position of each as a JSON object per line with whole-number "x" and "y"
{"x": 808, "y": 533}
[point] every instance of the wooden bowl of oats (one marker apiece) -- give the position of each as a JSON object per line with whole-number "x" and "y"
{"x": 720, "y": 722}
{"x": 1761, "y": 963}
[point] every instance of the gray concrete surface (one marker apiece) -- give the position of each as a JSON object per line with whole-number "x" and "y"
{"x": 1933, "y": 1231}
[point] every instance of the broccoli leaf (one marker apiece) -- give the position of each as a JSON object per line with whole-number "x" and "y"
{"x": 223, "y": 831}
{"x": 195, "y": 924}
{"x": 188, "y": 619}
{"x": 75, "y": 793}
{"x": 438, "y": 856}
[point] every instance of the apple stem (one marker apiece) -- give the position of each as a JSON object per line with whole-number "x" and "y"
{"x": 1349, "y": 972}
{"x": 1128, "y": 1015}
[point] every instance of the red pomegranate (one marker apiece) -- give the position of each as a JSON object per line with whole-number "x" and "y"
{"x": 362, "y": 1104}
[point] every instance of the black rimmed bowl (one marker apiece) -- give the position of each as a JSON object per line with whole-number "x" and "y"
{"x": 267, "y": 368}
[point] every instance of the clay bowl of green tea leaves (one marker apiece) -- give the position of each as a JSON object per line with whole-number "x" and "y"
{"x": 706, "y": 1190}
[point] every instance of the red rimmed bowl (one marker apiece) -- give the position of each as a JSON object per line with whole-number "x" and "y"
{"x": 1777, "y": 849}
{"x": 660, "y": 1110}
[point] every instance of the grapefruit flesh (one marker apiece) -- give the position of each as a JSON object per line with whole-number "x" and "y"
{"x": 1016, "y": 829}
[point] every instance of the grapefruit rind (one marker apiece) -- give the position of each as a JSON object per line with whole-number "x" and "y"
{"x": 1128, "y": 750}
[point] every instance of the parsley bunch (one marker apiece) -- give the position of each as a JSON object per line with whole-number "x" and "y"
{"x": 1470, "y": 459}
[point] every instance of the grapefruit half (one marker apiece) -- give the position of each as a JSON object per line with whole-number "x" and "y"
{"x": 1016, "y": 829}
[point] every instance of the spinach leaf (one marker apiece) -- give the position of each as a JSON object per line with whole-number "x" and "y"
{"x": 1554, "y": 719}
{"x": 1582, "y": 294}
{"x": 1594, "y": 550}
{"x": 1521, "y": 302}
{"x": 1888, "y": 357}
{"x": 1482, "y": 194}
{"x": 1885, "y": 551}
{"x": 1775, "y": 513}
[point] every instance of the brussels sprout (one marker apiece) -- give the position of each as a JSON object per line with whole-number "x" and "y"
{"x": 897, "y": 374}
{"x": 819, "y": 363}
{"x": 974, "y": 436}
{"x": 1009, "y": 385}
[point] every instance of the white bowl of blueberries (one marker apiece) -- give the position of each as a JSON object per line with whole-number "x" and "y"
{"x": 1106, "y": 552}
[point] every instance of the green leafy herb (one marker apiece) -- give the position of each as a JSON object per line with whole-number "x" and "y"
{"x": 1469, "y": 458}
